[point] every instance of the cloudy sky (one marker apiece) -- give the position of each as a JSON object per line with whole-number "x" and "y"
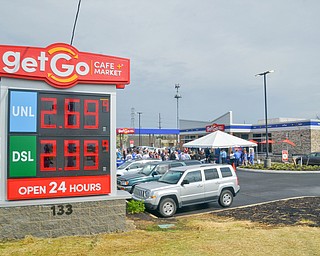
{"x": 212, "y": 48}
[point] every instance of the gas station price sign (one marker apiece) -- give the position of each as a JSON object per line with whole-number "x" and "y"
{"x": 58, "y": 145}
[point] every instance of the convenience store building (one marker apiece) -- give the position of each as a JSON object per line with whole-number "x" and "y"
{"x": 302, "y": 134}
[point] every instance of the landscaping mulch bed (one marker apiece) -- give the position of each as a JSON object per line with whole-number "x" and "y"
{"x": 301, "y": 211}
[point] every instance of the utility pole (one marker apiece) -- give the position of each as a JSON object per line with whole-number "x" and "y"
{"x": 160, "y": 127}
{"x": 132, "y": 117}
{"x": 159, "y": 121}
{"x": 139, "y": 113}
{"x": 178, "y": 96}
{"x": 267, "y": 161}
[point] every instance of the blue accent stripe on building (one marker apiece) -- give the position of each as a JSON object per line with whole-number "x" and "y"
{"x": 194, "y": 130}
{"x": 156, "y": 131}
{"x": 239, "y": 127}
{"x": 308, "y": 123}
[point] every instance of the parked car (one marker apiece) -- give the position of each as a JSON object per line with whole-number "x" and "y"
{"x": 149, "y": 148}
{"x": 309, "y": 159}
{"x": 189, "y": 185}
{"x": 133, "y": 166}
{"x": 150, "y": 172}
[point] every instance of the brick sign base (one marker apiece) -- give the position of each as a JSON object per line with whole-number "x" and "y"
{"x": 67, "y": 219}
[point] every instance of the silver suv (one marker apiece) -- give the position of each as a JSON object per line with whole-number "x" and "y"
{"x": 188, "y": 185}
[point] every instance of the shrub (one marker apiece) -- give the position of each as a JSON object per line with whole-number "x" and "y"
{"x": 135, "y": 207}
{"x": 284, "y": 166}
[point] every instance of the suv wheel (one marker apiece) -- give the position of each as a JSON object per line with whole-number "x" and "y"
{"x": 167, "y": 207}
{"x": 226, "y": 198}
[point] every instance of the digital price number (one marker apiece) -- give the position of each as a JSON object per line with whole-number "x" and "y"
{"x": 60, "y": 139}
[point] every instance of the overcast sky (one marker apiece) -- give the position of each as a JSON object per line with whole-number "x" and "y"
{"x": 212, "y": 48}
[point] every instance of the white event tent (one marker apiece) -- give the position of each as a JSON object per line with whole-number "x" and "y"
{"x": 219, "y": 139}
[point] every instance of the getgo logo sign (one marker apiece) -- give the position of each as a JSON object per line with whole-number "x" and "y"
{"x": 63, "y": 66}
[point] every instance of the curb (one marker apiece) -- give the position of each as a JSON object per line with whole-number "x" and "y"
{"x": 257, "y": 204}
{"x": 276, "y": 171}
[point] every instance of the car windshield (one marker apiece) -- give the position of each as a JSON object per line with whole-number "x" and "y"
{"x": 125, "y": 165}
{"x": 147, "y": 169}
{"x": 171, "y": 177}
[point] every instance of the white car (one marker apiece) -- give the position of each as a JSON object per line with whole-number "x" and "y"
{"x": 133, "y": 166}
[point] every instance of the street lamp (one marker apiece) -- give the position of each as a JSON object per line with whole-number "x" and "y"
{"x": 267, "y": 162}
{"x": 178, "y": 96}
{"x": 139, "y": 113}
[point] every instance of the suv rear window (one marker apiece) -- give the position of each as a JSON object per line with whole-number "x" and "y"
{"x": 226, "y": 172}
{"x": 211, "y": 174}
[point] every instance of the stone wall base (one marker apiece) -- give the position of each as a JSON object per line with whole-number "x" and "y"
{"x": 68, "y": 219}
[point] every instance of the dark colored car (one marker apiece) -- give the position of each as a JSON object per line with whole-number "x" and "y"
{"x": 310, "y": 159}
{"x": 149, "y": 172}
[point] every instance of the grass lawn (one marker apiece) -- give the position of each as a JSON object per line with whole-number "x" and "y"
{"x": 196, "y": 235}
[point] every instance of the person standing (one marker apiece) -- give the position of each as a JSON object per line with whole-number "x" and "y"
{"x": 223, "y": 155}
{"x": 134, "y": 154}
{"x": 237, "y": 156}
{"x": 245, "y": 157}
{"x": 187, "y": 155}
{"x": 172, "y": 156}
{"x": 232, "y": 159}
{"x": 202, "y": 156}
{"x": 128, "y": 156}
{"x": 251, "y": 156}
{"x": 207, "y": 153}
{"x": 139, "y": 155}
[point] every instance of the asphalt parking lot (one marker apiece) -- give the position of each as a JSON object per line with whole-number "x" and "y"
{"x": 259, "y": 187}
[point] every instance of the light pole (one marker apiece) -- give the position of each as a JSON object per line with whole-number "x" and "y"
{"x": 267, "y": 161}
{"x": 139, "y": 113}
{"x": 178, "y": 96}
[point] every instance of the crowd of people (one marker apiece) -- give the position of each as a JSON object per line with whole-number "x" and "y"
{"x": 237, "y": 156}
{"x": 163, "y": 154}
{"x": 242, "y": 157}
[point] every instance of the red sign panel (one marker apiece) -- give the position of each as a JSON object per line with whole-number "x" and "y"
{"x": 35, "y": 188}
{"x": 67, "y": 154}
{"x": 285, "y": 156}
{"x": 215, "y": 127}
{"x": 63, "y": 66}
{"x": 125, "y": 131}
